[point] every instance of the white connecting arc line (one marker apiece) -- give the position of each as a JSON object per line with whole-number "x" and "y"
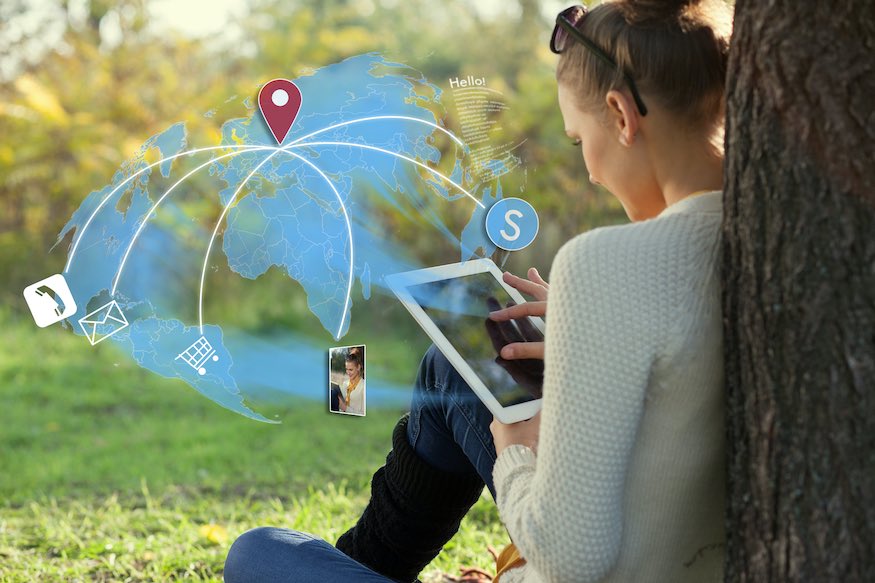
{"x": 127, "y": 180}
{"x": 142, "y": 224}
{"x": 391, "y": 153}
{"x": 81, "y": 232}
{"x": 376, "y": 117}
{"x": 346, "y": 305}
{"x": 275, "y": 151}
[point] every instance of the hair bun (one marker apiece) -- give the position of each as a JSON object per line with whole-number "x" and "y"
{"x": 656, "y": 11}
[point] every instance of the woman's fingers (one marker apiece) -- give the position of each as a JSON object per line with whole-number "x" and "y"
{"x": 529, "y": 331}
{"x": 523, "y": 350}
{"x": 532, "y": 288}
{"x": 511, "y": 333}
{"x": 505, "y": 330}
{"x": 519, "y": 311}
{"x": 536, "y": 277}
{"x": 502, "y": 333}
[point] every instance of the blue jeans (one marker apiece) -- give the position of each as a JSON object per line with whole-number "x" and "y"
{"x": 448, "y": 428}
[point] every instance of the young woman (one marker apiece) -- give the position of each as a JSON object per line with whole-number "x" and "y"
{"x": 620, "y": 477}
{"x": 352, "y": 390}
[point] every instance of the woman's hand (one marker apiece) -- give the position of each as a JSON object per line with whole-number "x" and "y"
{"x": 522, "y": 432}
{"x": 528, "y": 373}
{"x": 522, "y": 350}
{"x": 535, "y": 286}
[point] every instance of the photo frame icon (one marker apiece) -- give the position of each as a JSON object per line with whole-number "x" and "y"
{"x": 104, "y": 322}
{"x": 346, "y": 380}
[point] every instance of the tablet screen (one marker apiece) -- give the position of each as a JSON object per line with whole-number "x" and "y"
{"x": 459, "y": 307}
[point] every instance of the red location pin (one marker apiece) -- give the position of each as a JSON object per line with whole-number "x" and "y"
{"x": 279, "y": 101}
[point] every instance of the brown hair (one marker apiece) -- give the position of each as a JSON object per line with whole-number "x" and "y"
{"x": 356, "y": 359}
{"x": 675, "y": 51}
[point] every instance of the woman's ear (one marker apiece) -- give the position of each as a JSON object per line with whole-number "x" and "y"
{"x": 623, "y": 116}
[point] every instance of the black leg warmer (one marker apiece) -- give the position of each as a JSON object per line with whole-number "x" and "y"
{"x": 414, "y": 510}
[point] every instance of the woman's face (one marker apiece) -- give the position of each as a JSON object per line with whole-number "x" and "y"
{"x": 352, "y": 370}
{"x": 624, "y": 170}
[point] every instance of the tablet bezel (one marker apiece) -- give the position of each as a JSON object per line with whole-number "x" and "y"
{"x": 399, "y": 284}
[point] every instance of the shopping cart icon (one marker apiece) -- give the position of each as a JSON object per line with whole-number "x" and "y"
{"x": 197, "y": 354}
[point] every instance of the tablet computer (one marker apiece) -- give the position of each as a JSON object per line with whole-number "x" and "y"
{"x": 452, "y": 304}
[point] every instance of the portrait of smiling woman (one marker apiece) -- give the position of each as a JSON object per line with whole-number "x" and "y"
{"x": 620, "y": 477}
{"x": 346, "y": 380}
{"x": 352, "y": 391}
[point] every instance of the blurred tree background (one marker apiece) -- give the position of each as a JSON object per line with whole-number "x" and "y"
{"x": 74, "y": 108}
{"x": 99, "y": 478}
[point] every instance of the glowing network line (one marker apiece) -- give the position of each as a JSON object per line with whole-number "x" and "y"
{"x": 240, "y": 149}
{"x": 81, "y": 232}
{"x": 142, "y": 224}
{"x": 375, "y": 117}
{"x": 395, "y": 154}
{"x": 346, "y": 305}
{"x": 126, "y": 181}
{"x": 276, "y": 149}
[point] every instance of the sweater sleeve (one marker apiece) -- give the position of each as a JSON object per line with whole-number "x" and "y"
{"x": 564, "y": 508}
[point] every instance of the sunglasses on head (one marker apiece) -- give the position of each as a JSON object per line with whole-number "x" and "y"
{"x": 566, "y": 27}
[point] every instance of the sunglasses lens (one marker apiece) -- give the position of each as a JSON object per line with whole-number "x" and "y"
{"x": 571, "y": 15}
{"x": 557, "y": 43}
{"x": 574, "y": 14}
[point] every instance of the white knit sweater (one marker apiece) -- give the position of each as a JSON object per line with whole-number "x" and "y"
{"x": 628, "y": 481}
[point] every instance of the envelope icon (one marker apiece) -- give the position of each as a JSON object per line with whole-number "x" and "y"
{"x": 103, "y": 322}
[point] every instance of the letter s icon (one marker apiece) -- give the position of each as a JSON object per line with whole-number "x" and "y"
{"x": 513, "y": 225}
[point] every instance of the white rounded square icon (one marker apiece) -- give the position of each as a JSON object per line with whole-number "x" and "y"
{"x": 50, "y": 300}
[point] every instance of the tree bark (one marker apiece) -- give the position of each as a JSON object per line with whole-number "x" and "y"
{"x": 799, "y": 292}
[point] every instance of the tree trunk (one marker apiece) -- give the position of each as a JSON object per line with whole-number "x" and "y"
{"x": 799, "y": 292}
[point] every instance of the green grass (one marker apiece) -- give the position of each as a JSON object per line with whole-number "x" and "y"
{"x": 110, "y": 473}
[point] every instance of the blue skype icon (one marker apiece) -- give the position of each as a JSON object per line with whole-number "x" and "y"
{"x": 512, "y": 224}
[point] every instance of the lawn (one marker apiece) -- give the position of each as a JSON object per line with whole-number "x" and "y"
{"x": 110, "y": 473}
